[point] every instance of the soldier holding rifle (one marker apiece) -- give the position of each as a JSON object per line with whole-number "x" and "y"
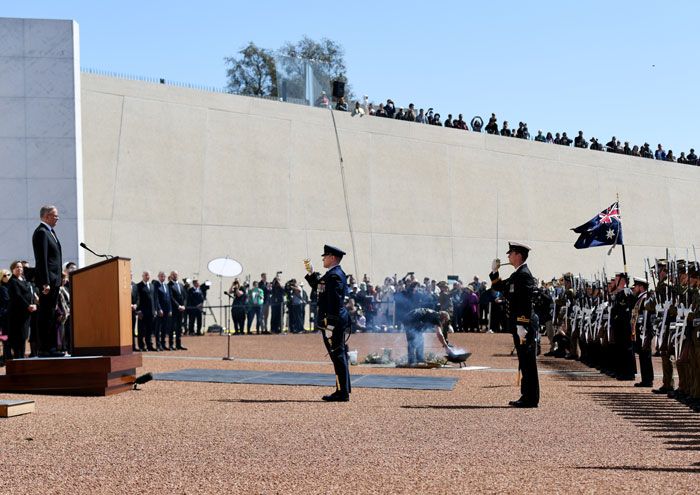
{"x": 642, "y": 330}
{"x": 665, "y": 314}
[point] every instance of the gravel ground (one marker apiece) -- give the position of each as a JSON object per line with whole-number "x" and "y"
{"x": 590, "y": 434}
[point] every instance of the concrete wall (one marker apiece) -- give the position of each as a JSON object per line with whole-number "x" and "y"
{"x": 176, "y": 177}
{"x": 40, "y": 161}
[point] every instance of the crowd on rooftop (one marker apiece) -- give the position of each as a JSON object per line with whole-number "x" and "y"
{"x": 430, "y": 117}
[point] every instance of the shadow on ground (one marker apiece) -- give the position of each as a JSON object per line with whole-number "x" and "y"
{"x": 265, "y": 401}
{"x": 679, "y": 469}
{"x": 444, "y": 406}
{"x": 664, "y": 418}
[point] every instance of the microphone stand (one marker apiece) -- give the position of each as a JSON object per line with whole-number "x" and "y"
{"x": 105, "y": 256}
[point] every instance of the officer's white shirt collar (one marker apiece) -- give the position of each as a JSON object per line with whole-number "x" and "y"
{"x": 524, "y": 264}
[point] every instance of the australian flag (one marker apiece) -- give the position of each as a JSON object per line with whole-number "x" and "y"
{"x": 604, "y": 229}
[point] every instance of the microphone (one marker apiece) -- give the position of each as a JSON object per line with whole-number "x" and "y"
{"x": 105, "y": 256}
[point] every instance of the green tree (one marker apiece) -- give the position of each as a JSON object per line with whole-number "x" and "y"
{"x": 253, "y": 73}
{"x": 327, "y": 55}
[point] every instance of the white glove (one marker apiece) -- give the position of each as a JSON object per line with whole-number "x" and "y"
{"x": 495, "y": 265}
{"x": 522, "y": 332}
{"x": 309, "y": 267}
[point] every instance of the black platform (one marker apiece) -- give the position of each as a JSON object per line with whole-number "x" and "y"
{"x": 314, "y": 379}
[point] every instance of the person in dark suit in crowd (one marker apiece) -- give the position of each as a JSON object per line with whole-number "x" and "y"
{"x": 178, "y": 296}
{"x": 517, "y": 291}
{"x": 22, "y": 305}
{"x": 276, "y": 305}
{"x": 238, "y": 306}
{"x": 4, "y": 308}
{"x": 134, "y": 308}
{"x": 29, "y": 272}
{"x": 164, "y": 317}
{"x": 146, "y": 311}
{"x": 195, "y": 306}
{"x": 332, "y": 317}
{"x": 49, "y": 268}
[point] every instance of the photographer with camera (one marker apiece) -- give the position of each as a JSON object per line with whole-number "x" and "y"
{"x": 237, "y": 306}
{"x": 276, "y": 304}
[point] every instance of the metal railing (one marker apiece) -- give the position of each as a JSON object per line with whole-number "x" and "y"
{"x": 186, "y": 85}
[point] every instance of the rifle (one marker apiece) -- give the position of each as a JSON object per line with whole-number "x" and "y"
{"x": 653, "y": 277}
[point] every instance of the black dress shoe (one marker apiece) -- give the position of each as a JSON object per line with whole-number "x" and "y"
{"x": 522, "y": 404}
{"x": 181, "y": 348}
{"x": 625, "y": 378}
{"x": 662, "y": 390}
{"x": 172, "y": 348}
{"x": 336, "y": 397}
{"x": 642, "y": 384}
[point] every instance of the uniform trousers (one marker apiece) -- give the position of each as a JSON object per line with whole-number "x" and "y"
{"x": 527, "y": 363}
{"x": 646, "y": 369}
{"x": 338, "y": 352}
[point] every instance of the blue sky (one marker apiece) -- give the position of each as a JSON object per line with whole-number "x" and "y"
{"x": 623, "y": 68}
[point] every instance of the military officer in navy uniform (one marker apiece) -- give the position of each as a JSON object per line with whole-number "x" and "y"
{"x": 517, "y": 291}
{"x": 332, "y": 318}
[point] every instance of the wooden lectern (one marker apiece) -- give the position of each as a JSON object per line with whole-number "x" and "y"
{"x": 102, "y": 362}
{"x": 101, "y": 305}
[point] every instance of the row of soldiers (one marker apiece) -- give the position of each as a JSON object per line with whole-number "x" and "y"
{"x": 605, "y": 323}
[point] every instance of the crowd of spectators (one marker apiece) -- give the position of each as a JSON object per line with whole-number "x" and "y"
{"x": 19, "y": 306}
{"x": 167, "y": 307}
{"x": 430, "y": 117}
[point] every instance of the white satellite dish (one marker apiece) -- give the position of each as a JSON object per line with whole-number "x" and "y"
{"x": 225, "y": 267}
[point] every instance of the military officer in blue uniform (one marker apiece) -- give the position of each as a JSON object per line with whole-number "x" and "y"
{"x": 518, "y": 291}
{"x": 332, "y": 317}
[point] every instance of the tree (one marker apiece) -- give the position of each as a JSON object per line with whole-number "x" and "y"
{"x": 253, "y": 73}
{"x": 327, "y": 55}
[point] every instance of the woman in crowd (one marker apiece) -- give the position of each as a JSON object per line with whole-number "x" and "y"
{"x": 276, "y": 304}
{"x": 341, "y": 105}
{"x": 22, "y": 305}
{"x": 238, "y": 306}
{"x": 4, "y": 307}
{"x": 62, "y": 314}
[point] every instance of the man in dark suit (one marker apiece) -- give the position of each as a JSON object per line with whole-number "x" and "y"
{"x": 195, "y": 305}
{"x": 178, "y": 297}
{"x": 48, "y": 256}
{"x": 332, "y": 317}
{"x": 134, "y": 307}
{"x": 517, "y": 291}
{"x": 146, "y": 310}
{"x": 163, "y": 326}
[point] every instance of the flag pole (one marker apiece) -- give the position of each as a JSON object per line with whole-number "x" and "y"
{"x": 624, "y": 255}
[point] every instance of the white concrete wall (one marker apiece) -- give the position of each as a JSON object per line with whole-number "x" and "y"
{"x": 39, "y": 131}
{"x": 176, "y": 177}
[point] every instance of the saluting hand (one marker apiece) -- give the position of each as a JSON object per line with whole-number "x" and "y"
{"x": 309, "y": 267}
